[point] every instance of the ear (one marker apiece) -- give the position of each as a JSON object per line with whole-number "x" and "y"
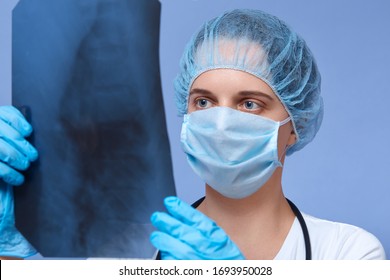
{"x": 292, "y": 139}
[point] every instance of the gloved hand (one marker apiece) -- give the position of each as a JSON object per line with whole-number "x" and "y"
{"x": 12, "y": 242}
{"x": 15, "y": 154}
{"x": 187, "y": 234}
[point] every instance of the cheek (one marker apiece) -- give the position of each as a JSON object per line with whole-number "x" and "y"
{"x": 283, "y": 137}
{"x": 191, "y": 108}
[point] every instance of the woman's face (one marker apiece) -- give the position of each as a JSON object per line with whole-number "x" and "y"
{"x": 244, "y": 92}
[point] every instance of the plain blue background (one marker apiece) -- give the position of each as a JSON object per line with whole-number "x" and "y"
{"x": 344, "y": 174}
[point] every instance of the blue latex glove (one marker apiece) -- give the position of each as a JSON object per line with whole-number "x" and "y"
{"x": 187, "y": 234}
{"x": 15, "y": 154}
{"x": 12, "y": 242}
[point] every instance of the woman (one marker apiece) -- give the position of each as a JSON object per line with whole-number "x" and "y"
{"x": 249, "y": 89}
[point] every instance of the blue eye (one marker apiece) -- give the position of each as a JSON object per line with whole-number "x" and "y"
{"x": 202, "y": 103}
{"x": 250, "y": 105}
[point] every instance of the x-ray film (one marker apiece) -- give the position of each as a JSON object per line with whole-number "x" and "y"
{"x": 86, "y": 74}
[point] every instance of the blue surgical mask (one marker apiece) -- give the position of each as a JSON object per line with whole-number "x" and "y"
{"x": 234, "y": 152}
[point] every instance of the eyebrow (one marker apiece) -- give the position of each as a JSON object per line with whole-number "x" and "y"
{"x": 256, "y": 93}
{"x": 241, "y": 93}
{"x": 200, "y": 91}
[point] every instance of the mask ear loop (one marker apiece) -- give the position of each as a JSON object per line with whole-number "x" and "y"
{"x": 283, "y": 122}
{"x": 285, "y": 149}
{"x": 284, "y": 152}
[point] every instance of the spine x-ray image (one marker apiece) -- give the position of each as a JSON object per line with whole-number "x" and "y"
{"x": 86, "y": 74}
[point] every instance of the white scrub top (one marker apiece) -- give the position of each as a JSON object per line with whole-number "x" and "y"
{"x": 330, "y": 241}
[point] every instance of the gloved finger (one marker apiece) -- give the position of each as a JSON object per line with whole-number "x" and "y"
{"x": 189, "y": 235}
{"x": 14, "y": 138}
{"x": 11, "y": 156}
{"x": 15, "y": 119}
{"x": 174, "y": 247}
{"x": 10, "y": 176}
{"x": 175, "y": 228}
{"x": 192, "y": 217}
